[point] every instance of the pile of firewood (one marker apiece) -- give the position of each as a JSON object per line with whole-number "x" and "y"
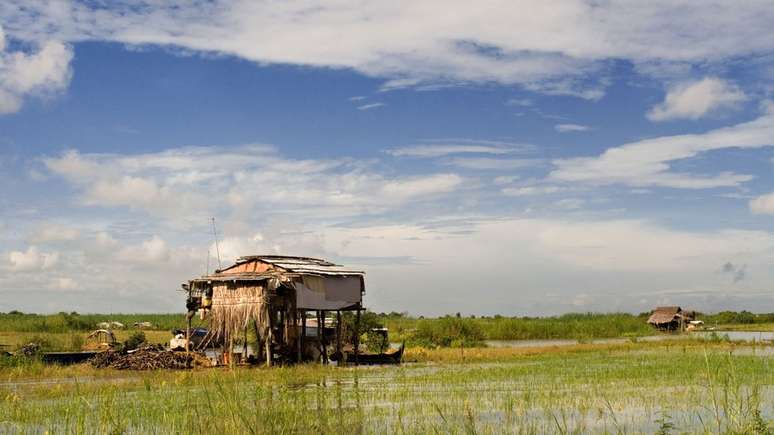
{"x": 148, "y": 358}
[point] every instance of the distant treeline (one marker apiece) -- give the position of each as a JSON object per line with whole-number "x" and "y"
{"x": 69, "y": 322}
{"x": 451, "y": 330}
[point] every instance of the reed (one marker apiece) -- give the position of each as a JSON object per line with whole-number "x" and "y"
{"x": 690, "y": 387}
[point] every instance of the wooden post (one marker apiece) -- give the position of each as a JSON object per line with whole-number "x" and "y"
{"x": 319, "y": 336}
{"x": 231, "y": 350}
{"x": 303, "y": 332}
{"x": 322, "y": 338}
{"x": 258, "y": 342}
{"x": 339, "y": 354}
{"x": 297, "y": 326}
{"x": 357, "y": 335}
{"x": 268, "y": 337}
{"x": 188, "y": 334}
{"x": 244, "y": 345}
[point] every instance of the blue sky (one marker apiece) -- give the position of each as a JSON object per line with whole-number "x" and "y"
{"x": 586, "y": 157}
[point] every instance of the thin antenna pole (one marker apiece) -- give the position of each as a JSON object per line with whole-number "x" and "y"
{"x": 217, "y": 248}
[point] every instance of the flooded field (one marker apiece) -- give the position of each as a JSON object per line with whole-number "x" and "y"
{"x": 741, "y": 336}
{"x": 618, "y": 388}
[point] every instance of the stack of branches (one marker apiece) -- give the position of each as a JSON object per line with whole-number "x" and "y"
{"x": 148, "y": 358}
{"x": 234, "y": 308}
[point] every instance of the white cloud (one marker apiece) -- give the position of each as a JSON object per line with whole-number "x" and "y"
{"x": 370, "y": 106}
{"x": 52, "y": 232}
{"x": 531, "y": 190}
{"x": 596, "y": 262}
{"x": 556, "y": 48}
{"x": 567, "y": 128}
{"x": 519, "y": 102}
{"x": 505, "y": 179}
{"x": 191, "y": 184}
{"x": 45, "y": 71}
{"x": 458, "y": 146}
{"x": 570, "y": 203}
{"x": 413, "y": 187}
{"x": 763, "y": 204}
{"x": 697, "y": 99}
{"x": 152, "y": 250}
{"x": 647, "y": 162}
{"x": 64, "y": 283}
{"x": 32, "y": 259}
{"x": 485, "y": 163}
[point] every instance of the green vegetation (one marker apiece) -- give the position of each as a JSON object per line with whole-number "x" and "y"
{"x": 442, "y": 331}
{"x": 70, "y": 322}
{"x": 135, "y": 340}
{"x": 675, "y": 387}
{"x": 445, "y": 331}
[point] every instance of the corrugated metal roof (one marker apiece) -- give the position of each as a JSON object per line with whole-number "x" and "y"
{"x": 302, "y": 265}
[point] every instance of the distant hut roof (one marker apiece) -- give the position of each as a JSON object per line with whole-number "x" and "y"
{"x": 663, "y": 315}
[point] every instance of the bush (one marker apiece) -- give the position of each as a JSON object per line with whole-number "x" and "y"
{"x": 135, "y": 340}
{"x": 448, "y": 332}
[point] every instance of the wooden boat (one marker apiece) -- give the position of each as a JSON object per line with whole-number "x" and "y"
{"x": 393, "y": 357}
{"x": 66, "y": 357}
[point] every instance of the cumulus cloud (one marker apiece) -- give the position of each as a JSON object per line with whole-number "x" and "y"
{"x": 37, "y": 73}
{"x": 647, "y": 162}
{"x": 154, "y": 249}
{"x": 697, "y": 99}
{"x": 196, "y": 183}
{"x": 763, "y": 204}
{"x": 32, "y": 259}
{"x": 564, "y": 257}
{"x": 557, "y": 48}
{"x": 568, "y": 128}
{"x": 531, "y": 190}
{"x": 63, "y": 283}
{"x": 52, "y": 232}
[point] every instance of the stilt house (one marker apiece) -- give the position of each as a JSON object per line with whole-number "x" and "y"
{"x": 671, "y": 318}
{"x": 272, "y": 296}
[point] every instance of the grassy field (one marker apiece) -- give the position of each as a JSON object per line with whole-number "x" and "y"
{"x": 675, "y": 387}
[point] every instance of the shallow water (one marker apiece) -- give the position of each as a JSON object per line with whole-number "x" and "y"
{"x": 732, "y": 335}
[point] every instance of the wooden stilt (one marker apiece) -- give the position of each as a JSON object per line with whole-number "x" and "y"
{"x": 258, "y": 342}
{"x": 357, "y": 335}
{"x": 269, "y": 338}
{"x": 188, "y": 334}
{"x": 322, "y": 338}
{"x": 299, "y": 331}
{"x": 339, "y": 354}
{"x": 319, "y": 335}
{"x": 231, "y": 350}
{"x": 244, "y": 345}
{"x": 303, "y": 332}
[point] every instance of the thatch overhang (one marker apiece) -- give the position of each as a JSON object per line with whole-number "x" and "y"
{"x": 665, "y": 315}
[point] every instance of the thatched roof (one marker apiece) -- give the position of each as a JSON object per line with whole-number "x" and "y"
{"x": 663, "y": 315}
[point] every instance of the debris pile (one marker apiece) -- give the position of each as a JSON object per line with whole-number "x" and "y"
{"x": 148, "y": 358}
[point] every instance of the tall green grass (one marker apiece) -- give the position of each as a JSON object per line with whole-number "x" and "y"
{"x": 67, "y": 322}
{"x": 640, "y": 388}
{"x": 577, "y": 326}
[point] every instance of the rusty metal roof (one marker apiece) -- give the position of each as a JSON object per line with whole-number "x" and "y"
{"x": 302, "y": 265}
